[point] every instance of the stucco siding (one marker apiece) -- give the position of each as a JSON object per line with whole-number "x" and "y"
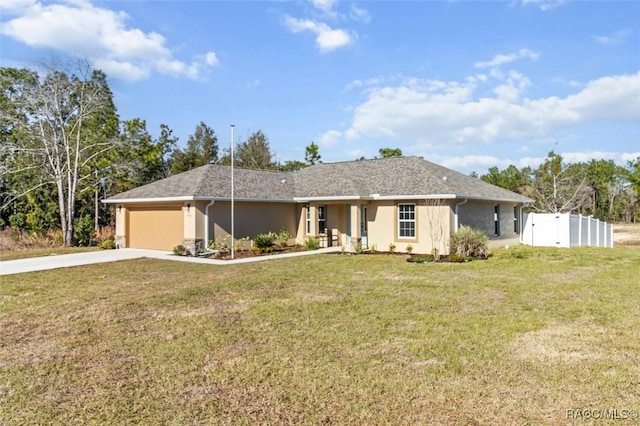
{"x": 433, "y": 226}
{"x": 251, "y": 219}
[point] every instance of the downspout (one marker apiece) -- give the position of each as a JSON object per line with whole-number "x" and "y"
{"x": 457, "y": 224}
{"x": 206, "y": 224}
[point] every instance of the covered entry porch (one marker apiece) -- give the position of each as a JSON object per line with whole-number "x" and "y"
{"x": 336, "y": 223}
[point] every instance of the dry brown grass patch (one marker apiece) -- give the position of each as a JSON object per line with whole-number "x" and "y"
{"x": 626, "y": 234}
{"x": 565, "y": 343}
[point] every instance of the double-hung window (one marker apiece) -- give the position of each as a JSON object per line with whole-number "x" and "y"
{"x": 308, "y": 220}
{"x": 406, "y": 220}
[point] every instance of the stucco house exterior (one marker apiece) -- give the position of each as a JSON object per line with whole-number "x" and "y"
{"x": 397, "y": 200}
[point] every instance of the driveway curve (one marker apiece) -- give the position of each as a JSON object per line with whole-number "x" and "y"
{"x": 9, "y": 267}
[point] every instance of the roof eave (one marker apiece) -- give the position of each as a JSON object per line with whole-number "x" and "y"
{"x": 155, "y": 199}
{"x": 485, "y": 198}
{"x": 329, "y": 198}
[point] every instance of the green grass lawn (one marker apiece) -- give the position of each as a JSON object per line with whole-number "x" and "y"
{"x": 330, "y": 339}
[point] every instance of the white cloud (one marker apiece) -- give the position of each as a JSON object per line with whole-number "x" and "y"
{"x": 356, "y": 154}
{"x": 361, "y": 15}
{"x": 473, "y": 162}
{"x": 616, "y": 38}
{"x": 326, "y": 6}
{"x": 586, "y": 156}
{"x": 357, "y": 84}
{"x": 544, "y": 4}
{"x": 211, "y": 59}
{"x": 502, "y": 59}
{"x": 124, "y": 70}
{"x": 253, "y": 84}
{"x": 327, "y": 38}
{"x": 329, "y": 138}
{"x": 79, "y": 28}
{"x": 448, "y": 114}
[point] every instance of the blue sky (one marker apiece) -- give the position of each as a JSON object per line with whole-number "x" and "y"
{"x": 469, "y": 85}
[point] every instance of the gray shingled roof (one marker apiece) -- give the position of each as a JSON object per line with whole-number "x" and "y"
{"x": 401, "y": 177}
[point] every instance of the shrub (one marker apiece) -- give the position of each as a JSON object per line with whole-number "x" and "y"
{"x": 409, "y": 248}
{"x": 282, "y": 238}
{"x": 221, "y": 244}
{"x": 420, "y": 259}
{"x": 240, "y": 244}
{"x": 83, "y": 231}
{"x": 358, "y": 248}
{"x": 18, "y": 221}
{"x": 265, "y": 241}
{"x": 180, "y": 250}
{"x": 469, "y": 242}
{"x": 108, "y": 244}
{"x": 392, "y": 248}
{"x": 459, "y": 259}
{"x": 312, "y": 243}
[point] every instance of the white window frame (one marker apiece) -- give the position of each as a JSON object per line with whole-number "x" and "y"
{"x": 402, "y": 219}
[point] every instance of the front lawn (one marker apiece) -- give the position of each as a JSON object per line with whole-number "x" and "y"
{"x": 329, "y": 339}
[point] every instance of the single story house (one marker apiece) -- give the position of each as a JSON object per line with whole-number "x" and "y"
{"x": 399, "y": 200}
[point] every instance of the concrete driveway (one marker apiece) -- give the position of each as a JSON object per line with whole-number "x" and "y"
{"x": 9, "y": 267}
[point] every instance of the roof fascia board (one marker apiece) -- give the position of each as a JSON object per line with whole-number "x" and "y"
{"x": 513, "y": 200}
{"x": 412, "y": 197}
{"x": 154, "y": 200}
{"x": 256, "y": 200}
{"x": 151, "y": 200}
{"x": 192, "y": 198}
{"x": 330, "y": 198}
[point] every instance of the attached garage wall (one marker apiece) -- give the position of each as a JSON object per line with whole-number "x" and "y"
{"x": 159, "y": 227}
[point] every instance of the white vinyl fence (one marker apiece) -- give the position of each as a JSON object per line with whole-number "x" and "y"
{"x": 565, "y": 230}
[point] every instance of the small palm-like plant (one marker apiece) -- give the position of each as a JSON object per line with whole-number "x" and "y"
{"x": 265, "y": 242}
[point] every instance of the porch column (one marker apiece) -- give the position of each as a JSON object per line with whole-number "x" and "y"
{"x": 313, "y": 218}
{"x": 356, "y": 231}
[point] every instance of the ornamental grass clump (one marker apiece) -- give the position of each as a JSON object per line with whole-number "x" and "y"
{"x": 469, "y": 242}
{"x": 312, "y": 243}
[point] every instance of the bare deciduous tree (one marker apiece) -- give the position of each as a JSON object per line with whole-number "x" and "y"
{"x": 558, "y": 187}
{"x": 53, "y": 130}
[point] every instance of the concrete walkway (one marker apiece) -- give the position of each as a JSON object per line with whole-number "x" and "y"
{"x": 9, "y": 267}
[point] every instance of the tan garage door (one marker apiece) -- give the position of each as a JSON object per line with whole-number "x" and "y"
{"x": 159, "y": 227}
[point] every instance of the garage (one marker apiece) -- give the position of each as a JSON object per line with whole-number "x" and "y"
{"x": 158, "y": 227}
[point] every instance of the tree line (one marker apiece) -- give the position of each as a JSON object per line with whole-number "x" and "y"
{"x": 64, "y": 148}
{"x": 597, "y": 188}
